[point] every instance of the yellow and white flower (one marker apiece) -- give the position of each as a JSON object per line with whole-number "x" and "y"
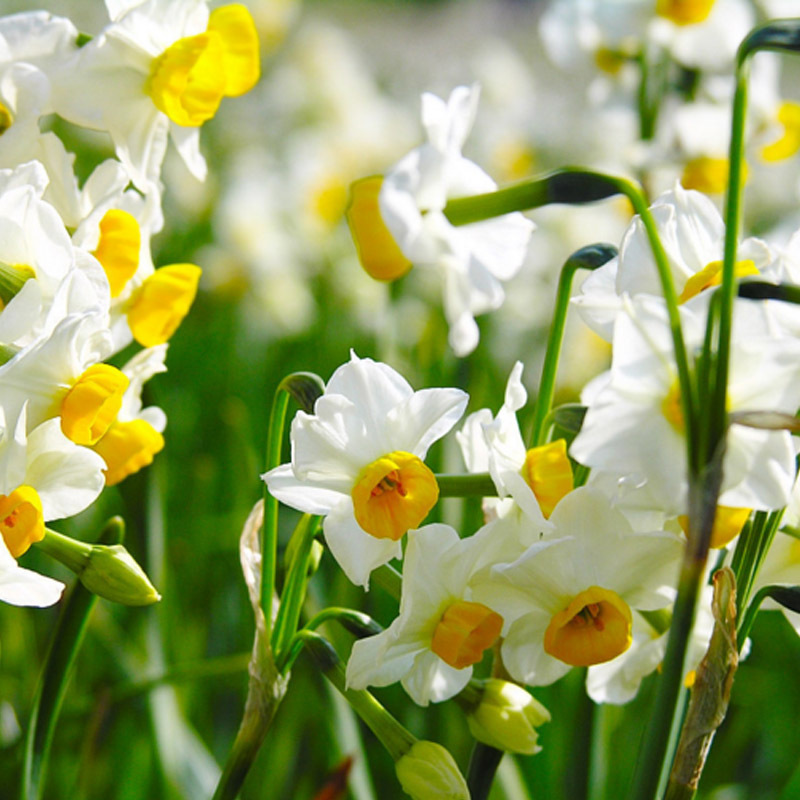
{"x": 536, "y": 478}
{"x": 568, "y": 599}
{"x": 43, "y": 476}
{"x": 43, "y": 277}
{"x": 358, "y": 459}
{"x": 636, "y": 412}
{"x": 399, "y": 220}
{"x": 693, "y": 234}
{"x": 440, "y": 632}
{"x": 161, "y": 67}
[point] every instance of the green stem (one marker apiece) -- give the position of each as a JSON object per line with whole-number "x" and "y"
{"x": 392, "y": 735}
{"x": 717, "y": 419}
{"x": 568, "y": 185}
{"x": 589, "y": 258}
{"x": 59, "y": 665}
{"x": 269, "y": 535}
{"x": 483, "y": 764}
{"x": 479, "y": 484}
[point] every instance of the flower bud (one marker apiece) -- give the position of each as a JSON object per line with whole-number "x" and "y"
{"x": 506, "y": 717}
{"x": 428, "y": 772}
{"x": 112, "y": 573}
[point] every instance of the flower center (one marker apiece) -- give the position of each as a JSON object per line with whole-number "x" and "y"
{"x": 118, "y": 248}
{"x": 393, "y": 495}
{"x": 789, "y": 142}
{"x": 547, "y": 470}
{"x": 378, "y": 252}
{"x": 684, "y": 12}
{"x": 92, "y": 404}
{"x": 21, "y": 520}
{"x": 464, "y": 632}
{"x": 711, "y": 275}
{"x": 594, "y": 627}
{"x": 161, "y": 303}
{"x": 728, "y": 524}
{"x": 127, "y": 447}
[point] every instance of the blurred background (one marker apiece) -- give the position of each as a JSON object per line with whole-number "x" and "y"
{"x": 158, "y": 693}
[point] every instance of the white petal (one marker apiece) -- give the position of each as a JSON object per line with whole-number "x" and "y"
{"x": 356, "y": 552}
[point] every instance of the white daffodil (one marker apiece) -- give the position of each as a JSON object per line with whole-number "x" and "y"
{"x": 637, "y": 412}
{"x": 440, "y": 632}
{"x": 43, "y": 476}
{"x": 535, "y": 478}
{"x": 61, "y": 375}
{"x": 135, "y": 436}
{"x": 358, "y": 460}
{"x": 43, "y": 278}
{"x": 568, "y": 600}
{"x": 399, "y": 220}
{"x": 160, "y": 67}
{"x": 693, "y": 234}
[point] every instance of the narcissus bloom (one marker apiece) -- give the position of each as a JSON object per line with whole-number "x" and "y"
{"x": 159, "y": 67}
{"x": 43, "y": 476}
{"x": 536, "y": 478}
{"x": 568, "y": 600}
{"x": 400, "y": 220}
{"x": 693, "y": 234}
{"x": 440, "y": 632}
{"x": 641, "y": 394}
{"x": 358, "y": 460}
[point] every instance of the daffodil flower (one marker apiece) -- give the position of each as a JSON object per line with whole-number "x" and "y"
{"x": 440, "y": 632}
{"x": 43, "y": 277}
{"x": 693, "y": 234}
{"x": 568, "y": 599}
{"x": 536, "y": 478}
{"x": 636, "y": 411}
{"x": 161, "y": 67}
{"x": 358, "y": 460}
{"x": 43, "y": 476}
{"x": 399, "y": 220}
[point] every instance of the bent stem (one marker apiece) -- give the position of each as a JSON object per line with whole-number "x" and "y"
{"x": 589, "y": 258}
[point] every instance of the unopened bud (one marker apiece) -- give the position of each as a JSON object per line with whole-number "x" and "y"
{"x": 112, "y": 573}
{"x": 428, "y": 772}
{"x": 506, "y": 717}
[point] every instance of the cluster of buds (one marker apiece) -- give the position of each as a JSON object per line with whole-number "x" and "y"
{"x": 77, "y": 280}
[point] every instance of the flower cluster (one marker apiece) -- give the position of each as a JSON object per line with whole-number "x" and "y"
{"x": 77, "y": 280}
{"x": 560, "y": 574}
